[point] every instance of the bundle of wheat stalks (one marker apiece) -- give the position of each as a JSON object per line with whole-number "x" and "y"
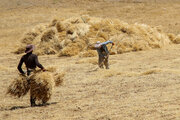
{"x": 19, "y": 87}
{"x": 40, "y": 84}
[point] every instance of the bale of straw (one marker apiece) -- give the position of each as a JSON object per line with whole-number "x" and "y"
{"x": 19, "y": 87}
{"x": 82, "y": 29}
{"x": 69, "y": 51}
{"x": 53, "y": 23}
{"x": 177, "y": 39}
{"x": 73, "y": 48}
{"x": 20, "y": 50}
{"x": 58, "y": 79}
{"x": 48, "y": 35}
{"x": 29, "y": 37}
{"x": 41, "y": 86}
{"x": 172, "y": 37}
{"x": 91, "y": 46}
{"x": 60, "y": 27}
{"x": 48, "y": 43}
{"x": 89, "y": 53}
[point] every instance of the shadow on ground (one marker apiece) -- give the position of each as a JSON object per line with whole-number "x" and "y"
{"x": 23, "y": 107}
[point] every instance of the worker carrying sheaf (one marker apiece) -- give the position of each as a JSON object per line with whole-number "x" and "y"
{"x": 31, "y": 62}
{"x": 103, "y": 53}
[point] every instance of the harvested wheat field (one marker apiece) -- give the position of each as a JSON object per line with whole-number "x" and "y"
{"x": 143, "y": 82}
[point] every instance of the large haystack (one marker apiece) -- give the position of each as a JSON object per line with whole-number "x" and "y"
{"x": 72, "y": 36}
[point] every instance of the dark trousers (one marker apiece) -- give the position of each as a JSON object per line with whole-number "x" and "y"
{"x": 32, "y": 99}
{"x": 103, "y": 60}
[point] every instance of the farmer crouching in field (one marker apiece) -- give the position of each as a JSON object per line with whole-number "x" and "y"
{"x": 103, "y": 53}
{"x": 31, "y": 62}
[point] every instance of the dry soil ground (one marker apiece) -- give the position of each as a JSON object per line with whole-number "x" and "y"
{"x": 141, "y": 85}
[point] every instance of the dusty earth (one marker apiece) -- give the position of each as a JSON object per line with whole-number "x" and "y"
{"x": 141, "y": 85}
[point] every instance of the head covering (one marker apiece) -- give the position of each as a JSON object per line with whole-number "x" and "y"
{"x": 98, "y": 42}
{"x": 29, "y": 48}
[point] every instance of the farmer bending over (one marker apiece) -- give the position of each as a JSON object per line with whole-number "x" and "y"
{"x": 103, "y": 53}
{"x": 31, "y": 61}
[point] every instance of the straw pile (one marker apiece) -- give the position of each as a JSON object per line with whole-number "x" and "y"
{"x": 19, "y": 87}
{"x": 69, "y": 37}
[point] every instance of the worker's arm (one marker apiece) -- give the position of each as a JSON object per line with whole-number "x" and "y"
{"x": 20, "y": 65}
{"x": 107, "y": 42}
{"x": 38, "y": 64}
{"x": 104, "y": 43}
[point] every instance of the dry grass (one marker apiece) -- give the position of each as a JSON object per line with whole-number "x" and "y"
{"x": 41, "y": 86}
{"x": 58, "y": 79}
{"x": 19, "y": 87}
{"x": 176, "y": 39}
{"x": 151, "y": 72}
{"x": 127, "y": 37}
{"x": 88, "y": 53}
{"x": 133, "y": 87}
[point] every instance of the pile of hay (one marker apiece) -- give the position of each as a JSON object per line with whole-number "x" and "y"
{"x": 19, "y": 87}
{"x": 40, "y": 84}
{"x": 69, "y": 37}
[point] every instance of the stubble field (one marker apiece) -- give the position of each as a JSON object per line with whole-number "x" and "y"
{"x": 140, "y": 85}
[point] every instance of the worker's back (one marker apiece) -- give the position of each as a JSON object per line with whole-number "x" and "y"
{"x": 29, "y": 60}
{"x": 102, "y": 51}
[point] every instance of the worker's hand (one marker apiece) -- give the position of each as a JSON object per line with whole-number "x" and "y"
{"x": 44, "y": 70}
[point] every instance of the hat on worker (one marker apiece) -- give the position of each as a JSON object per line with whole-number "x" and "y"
{"x": 98, "y": 42}
{"x": 29, "y": 48}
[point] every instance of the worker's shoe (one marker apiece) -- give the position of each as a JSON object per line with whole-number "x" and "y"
{"x": 33, "y": 105}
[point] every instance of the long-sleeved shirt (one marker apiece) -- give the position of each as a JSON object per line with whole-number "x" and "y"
{"x": 102, "y": 48}
{"x": 105, "y": 43}
{"x": 30, "y": 60}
